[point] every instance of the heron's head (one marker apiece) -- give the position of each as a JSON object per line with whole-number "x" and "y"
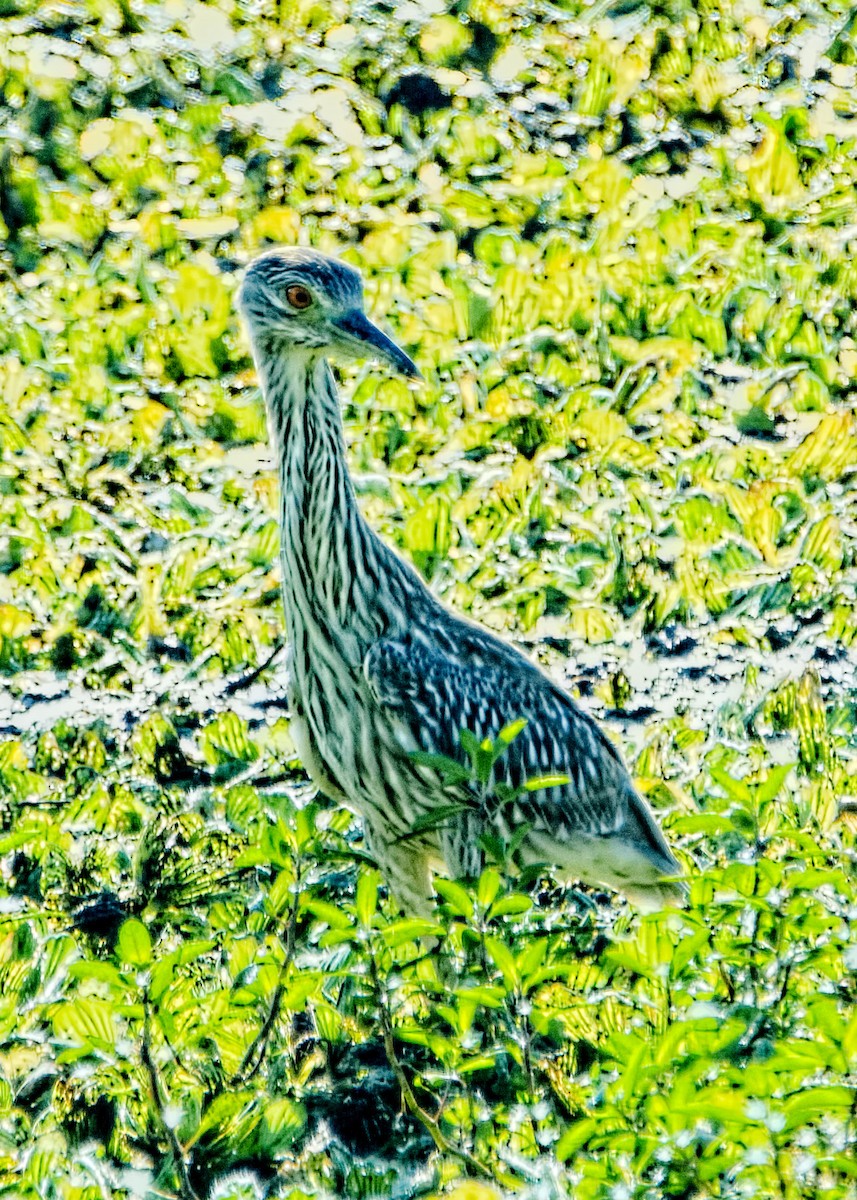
{"x": 306, "y": 300}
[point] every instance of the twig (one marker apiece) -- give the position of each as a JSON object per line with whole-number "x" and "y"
{"x": 177, "y": 1058}
{"x": 246, "y": 680}
{"x": 97, "y": 509}
{"x": 160, "y": 1099}
{"x": 259, "y": 1045}
{"x": 430, "y": 1123}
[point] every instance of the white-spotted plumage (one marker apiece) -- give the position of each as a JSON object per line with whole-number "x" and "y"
{"x": 378, "y": 669}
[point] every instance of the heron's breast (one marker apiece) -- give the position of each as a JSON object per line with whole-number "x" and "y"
{"x": 354, "y": 749}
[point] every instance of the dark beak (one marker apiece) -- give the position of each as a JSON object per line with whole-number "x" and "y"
{"x": 361, "y": 333}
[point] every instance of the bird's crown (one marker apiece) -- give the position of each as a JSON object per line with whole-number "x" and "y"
{"x": 326, "y": 279}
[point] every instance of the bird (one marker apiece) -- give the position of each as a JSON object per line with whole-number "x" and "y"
{"x": 386, "y": 686}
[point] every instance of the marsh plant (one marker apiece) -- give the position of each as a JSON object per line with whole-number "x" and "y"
{"x": 621, "y": 239}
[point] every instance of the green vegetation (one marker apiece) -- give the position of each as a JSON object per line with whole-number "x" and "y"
{"x": 621, "y": 241}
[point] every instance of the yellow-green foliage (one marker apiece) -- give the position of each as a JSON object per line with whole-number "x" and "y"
{"x": 620, "y": 241}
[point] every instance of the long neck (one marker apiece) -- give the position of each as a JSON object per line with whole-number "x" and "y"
{"x": 330, "y": 556}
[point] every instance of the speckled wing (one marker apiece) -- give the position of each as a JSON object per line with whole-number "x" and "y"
{"x": 475, "y": 682}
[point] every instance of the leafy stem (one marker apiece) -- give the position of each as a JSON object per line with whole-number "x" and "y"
{"x": 429, "y": 1122}
{"x": 161, "y": 1103}
{"x": 258, "y": 1047}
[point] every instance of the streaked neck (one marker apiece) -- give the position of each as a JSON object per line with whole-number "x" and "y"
{"x": 323, "y": 534}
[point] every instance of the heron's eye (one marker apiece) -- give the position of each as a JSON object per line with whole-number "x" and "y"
{"x": 298, "y": 296}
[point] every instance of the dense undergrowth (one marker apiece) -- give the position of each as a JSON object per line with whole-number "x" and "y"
{"x": 620, "y": 240}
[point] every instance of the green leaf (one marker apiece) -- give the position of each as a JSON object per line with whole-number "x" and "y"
{"x": 409, "y": 930}
{"x": 280, "y": 895}
{"x": 366, "y": 899}
{"x": 510, "y": 906}
{"x": 488, "y": 887}
{"x": 439, "y": 818}
{"x": 284, "y": 1120}
{"x": 470, "y": 744}
{"x": 335, "y": 917}
{"x": 817, "y": 1104}
{"x": 305, "y": 830}
{"x": 531, "y": 958}
{"x": 85, "y": 1020}
{"x": 510, "y": 731}
{"x": 100, "y": 971}
{"x": 502, "y": 956}
{"x": 299, "y": 990}
{"x": 328, "y": 1022}
{"x": 452, "y": 771}
{"x": 134, "y": 945}
{"x": 545, "y": 781}
{"x": 735, "y": 789}
{"x": 226, "y": 740}
{"x": 575, "y": 1138}
{"x": 337, "y": 937}
{"x": 455, "y": 897}
{"x": 164, "y": 969}
{"x": 481, "y": 1062}
{"x": 487, "y": 995}
{"x": 773, "y": 783}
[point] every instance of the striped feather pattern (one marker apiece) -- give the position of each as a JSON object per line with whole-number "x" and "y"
{"x": 379, "y": 669}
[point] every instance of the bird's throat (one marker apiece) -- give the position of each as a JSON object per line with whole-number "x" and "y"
{"x": 321, "y": 526}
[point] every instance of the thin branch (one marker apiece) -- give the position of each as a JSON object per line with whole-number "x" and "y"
{"x": 97, "y": 509}
{"x": 160, "y": 1099}
{"x": 246, "y": 680}
{"x": 430, "y": 1123}
{"x": 258, "y": 1047}
{"x": 177, "y": 1058}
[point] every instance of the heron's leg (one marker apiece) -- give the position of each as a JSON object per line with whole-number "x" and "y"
{"x": 406, "y": 867}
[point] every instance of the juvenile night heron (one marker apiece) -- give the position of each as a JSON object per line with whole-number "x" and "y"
{"x": 379, "y": 669}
